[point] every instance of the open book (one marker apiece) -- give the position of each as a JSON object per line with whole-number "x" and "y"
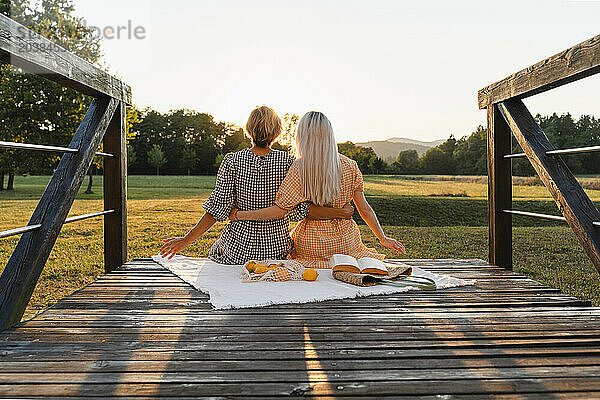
{"x": 365, "y": 265}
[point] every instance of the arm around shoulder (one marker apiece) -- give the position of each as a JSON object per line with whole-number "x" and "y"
{"x": 264, "y": 214}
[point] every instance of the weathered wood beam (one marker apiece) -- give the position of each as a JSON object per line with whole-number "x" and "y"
{"x": 570, "y": 65}
{"x": 25, "y": 265}
{"x": 499, "y": 189}
{"x": 115, "y": 192}
{"x": 568, "y": 194}
{"x": 34, "y": 53}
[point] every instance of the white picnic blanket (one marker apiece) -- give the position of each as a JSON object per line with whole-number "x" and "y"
{"x": 226, "y": 289}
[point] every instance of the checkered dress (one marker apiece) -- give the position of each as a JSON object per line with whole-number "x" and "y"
{"x": 315, "y": 241}
{"x": 250, "y": 182}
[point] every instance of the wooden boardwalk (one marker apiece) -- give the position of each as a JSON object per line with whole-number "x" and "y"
{"x": 142, "y": 332}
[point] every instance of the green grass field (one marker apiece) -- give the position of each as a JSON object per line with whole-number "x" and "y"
{"x": 434, "y": 218}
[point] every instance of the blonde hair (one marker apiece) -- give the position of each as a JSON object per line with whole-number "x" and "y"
{"x": 318, "y": 158}
{"x": 263, "y": 126}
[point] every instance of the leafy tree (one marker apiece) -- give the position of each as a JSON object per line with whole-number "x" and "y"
{"x": 588, "y": 130}
{"x": 132, "y": 116}
{"x": 562, "y": 133}
{"x": 236, "y": 141}
{"x": 362, "y": 155}
{"x": 33, "y": 109}
{"x": 407, "y": 162}
{"x": 278, "y": 146}
{"x": 180, "y": 134}
{"x": 156, "y": 158}
{"x": 147, "y": 132}
{"x": 436, "y": 161}
{"x": 189, "y": 160}
{"x": 131, "y": 155}
{"x": 377, "y": 165}
{"x": 289, "y": 123}
{"x": 470, "y": 154}
{"x": 219, "y": 160}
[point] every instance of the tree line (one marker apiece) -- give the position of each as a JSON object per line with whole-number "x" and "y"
{"x": 468, "y": 154}
{"x": 185, "y": 142}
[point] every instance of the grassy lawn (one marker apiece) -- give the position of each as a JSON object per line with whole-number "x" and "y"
{"x": 435, "y": 219}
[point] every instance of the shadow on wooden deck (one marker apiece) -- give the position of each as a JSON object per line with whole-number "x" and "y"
{"x": 141, "y": 331}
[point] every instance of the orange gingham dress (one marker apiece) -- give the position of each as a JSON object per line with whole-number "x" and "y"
{"x": 315, "y": 241}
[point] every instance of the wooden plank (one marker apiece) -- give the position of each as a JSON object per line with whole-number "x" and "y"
{"x": 202, "y": 303}
{"x": 286, "y": 346}
{"x": 363, "y": 317}
{"x": 106, "y": 327}
{"x": 327, "y": 337}
{"x": 334, "y": 324}
{"x": 568, "y": 194}
{"x": 187, "y": 290}
{"x": 499, "y": 189}
{"x": 304, "y": 312}
{"x": 473, "y": 363}
{"x": 342, "y": 388}
{"x": 297, "y": 392}
{"x": 64, "y": 352}
{"x": 115, "y": 191}
{"x": 577, "y": 62}
{"x": 26, "y": 49}
{"x": 25, "y": 265}
{"x": 390, "y": 374}
{"x": 183, "y": 295}
{"x": 330, "y": 323}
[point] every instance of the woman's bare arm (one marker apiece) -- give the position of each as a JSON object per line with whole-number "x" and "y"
{"x": 264, "y": 214}
{"x": 175, "y": 245}
{"x": 368, "y": 215}
{"x": 276, "y": 212}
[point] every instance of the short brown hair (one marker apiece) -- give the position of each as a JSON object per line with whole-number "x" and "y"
{"x": 263, "y": 126}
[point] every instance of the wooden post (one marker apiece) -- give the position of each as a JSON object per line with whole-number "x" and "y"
{"x": 25, "y": 265}
{"x": 499, "y": 189}
{"x": 115, "y": 192}
{"x": 574, "y": 203}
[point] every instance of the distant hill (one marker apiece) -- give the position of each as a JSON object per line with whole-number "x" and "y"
{"x": 389, "y": 149}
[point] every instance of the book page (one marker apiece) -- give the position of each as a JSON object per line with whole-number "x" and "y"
{"x": 371, "y": 262}
{"x": 342, "y": 259}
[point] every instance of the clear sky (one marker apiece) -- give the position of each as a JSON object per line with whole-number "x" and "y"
{"x": 377, "y": 68}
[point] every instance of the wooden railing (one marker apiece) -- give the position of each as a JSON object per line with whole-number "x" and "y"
{"x": 103, "y": 122}
{"x": 507, "y": 117}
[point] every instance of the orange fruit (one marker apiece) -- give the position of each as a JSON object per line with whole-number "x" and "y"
{"x": 260, "y": 265}
{"x": 260, "y": 270}
{"x": 310, "y": 274}
{"x": 251, "y": 266}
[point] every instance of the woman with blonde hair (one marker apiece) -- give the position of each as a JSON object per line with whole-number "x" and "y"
{"x": 326, "y": 178}
{"x": 249, "y": 180}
